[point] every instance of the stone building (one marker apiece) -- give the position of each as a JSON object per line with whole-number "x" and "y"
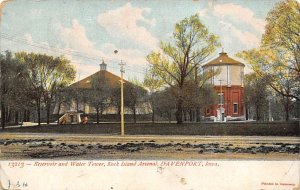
{"x": 228, "y": 83}
{"x": 84, "y": 85}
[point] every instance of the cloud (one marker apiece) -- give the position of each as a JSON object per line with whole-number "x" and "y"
{"x": 40, "y": 47}
{"x": 131, "y": 56}
{"x": 76, "y": 39}
{"x": 28, "y": 38}
{"x": 123, "y": 23}
{"x": 231, "y": 32}
{"x": 83, "y": 68}
{"x": 203, "y": 13}
{"x": 236, "y": 24}
{"x": 79, "y": 49}
{"x": 77, "y": 43}
{"x": 239, "y": 14}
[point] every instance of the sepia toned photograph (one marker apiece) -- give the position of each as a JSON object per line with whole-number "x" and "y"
{"x": 154, "y": 88}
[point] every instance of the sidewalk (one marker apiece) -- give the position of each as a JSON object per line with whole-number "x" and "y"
{"x": 25, "y": 124}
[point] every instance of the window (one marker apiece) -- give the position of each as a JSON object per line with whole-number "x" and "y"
{"x": 221, "y": 98}
{"x": 235, "y": 108}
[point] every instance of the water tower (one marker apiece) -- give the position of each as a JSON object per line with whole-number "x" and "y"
{"x": 228, "y": 83}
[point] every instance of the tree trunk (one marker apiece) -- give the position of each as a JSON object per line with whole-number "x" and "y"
{"x": 97, "y": 109}
{"x": 179, "y": 111}
{"x": 77, "y": 105}
{"x": 9, "y": 119}
{"x": 9, "y": 112}
{"x": 21, "y": 117}
{"x": 198, "y": 117}
{"x": 287, "y": 108}
{"x": 153, "y": 116}
{"x": 28, "y": 116}
{"x": 119, "y": 111}
{"x": 38, "y": 109}
{"x": 153, "y": 112}
{"x": 24, "y": 115}
{"x": 257, "y": 113}
{"x": 48, "y": 112}
{"x": 191, "y": 115}
{"x": 58, "y": 110}
{"x": 2, "y": 98}
{"x": 3, "y": 116}
{"x": 287, "y": 115}
{"x": 184, "y": 115}
{"x": 247, "y": 112}
{"x": 16, "y": 117}
{"x": 134, "y": 115}
{"x": 169, "y": 117}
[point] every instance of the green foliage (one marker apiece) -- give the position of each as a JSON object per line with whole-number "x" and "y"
{"x": 177, "y": 60}
{"x": 282, "y": 34}
{"x": 191, "y": 45}
{"x": 198, "y": 96}
{"x": 277, "y": 60}
{"x": 47, "y": 75}
{"x": 15, "y": 90}
{"x": 152, "y": 82}
{"x": 13, "y": 79}
{"x": 256, "y": 95}
{"x": 165, "y": 104}
{"x": 133, "y": 94}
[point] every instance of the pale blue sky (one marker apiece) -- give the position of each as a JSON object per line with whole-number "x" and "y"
{"x": 87, "y": 31}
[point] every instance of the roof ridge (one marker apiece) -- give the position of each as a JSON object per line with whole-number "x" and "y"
{"x": 107, "y": 74}
{"x": 223, "y": 59}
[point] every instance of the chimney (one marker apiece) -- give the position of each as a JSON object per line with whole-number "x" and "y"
{"x": 103, "y": 66}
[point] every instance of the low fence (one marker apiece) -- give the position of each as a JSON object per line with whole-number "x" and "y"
{"x": 230, "y": 128}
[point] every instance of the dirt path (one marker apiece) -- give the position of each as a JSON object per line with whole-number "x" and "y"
{"x": 63, "y": 146}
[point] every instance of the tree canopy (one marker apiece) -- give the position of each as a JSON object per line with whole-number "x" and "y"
{"x": 177, "y": 59}
{"x": 282, "y": 34}
{"x": 15, "y": 94}
{"x": 46, "y": 75}
{"x": 278, "y": 56}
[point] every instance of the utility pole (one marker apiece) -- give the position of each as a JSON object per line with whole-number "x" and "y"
{"x": 221, "y": 102}
{"x": 122, "y": 98}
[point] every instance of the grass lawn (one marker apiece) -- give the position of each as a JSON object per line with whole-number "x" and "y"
{"x": 235, "y": 129}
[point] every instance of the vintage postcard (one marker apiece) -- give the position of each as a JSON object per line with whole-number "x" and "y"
{"x": 174, "y": 94}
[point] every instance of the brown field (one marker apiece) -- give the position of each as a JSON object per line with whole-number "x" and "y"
{"x": 74, "y": 146}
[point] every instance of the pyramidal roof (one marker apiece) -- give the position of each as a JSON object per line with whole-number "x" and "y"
{"x": 86, "y": 83}
{"x": 223, "y": 59}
